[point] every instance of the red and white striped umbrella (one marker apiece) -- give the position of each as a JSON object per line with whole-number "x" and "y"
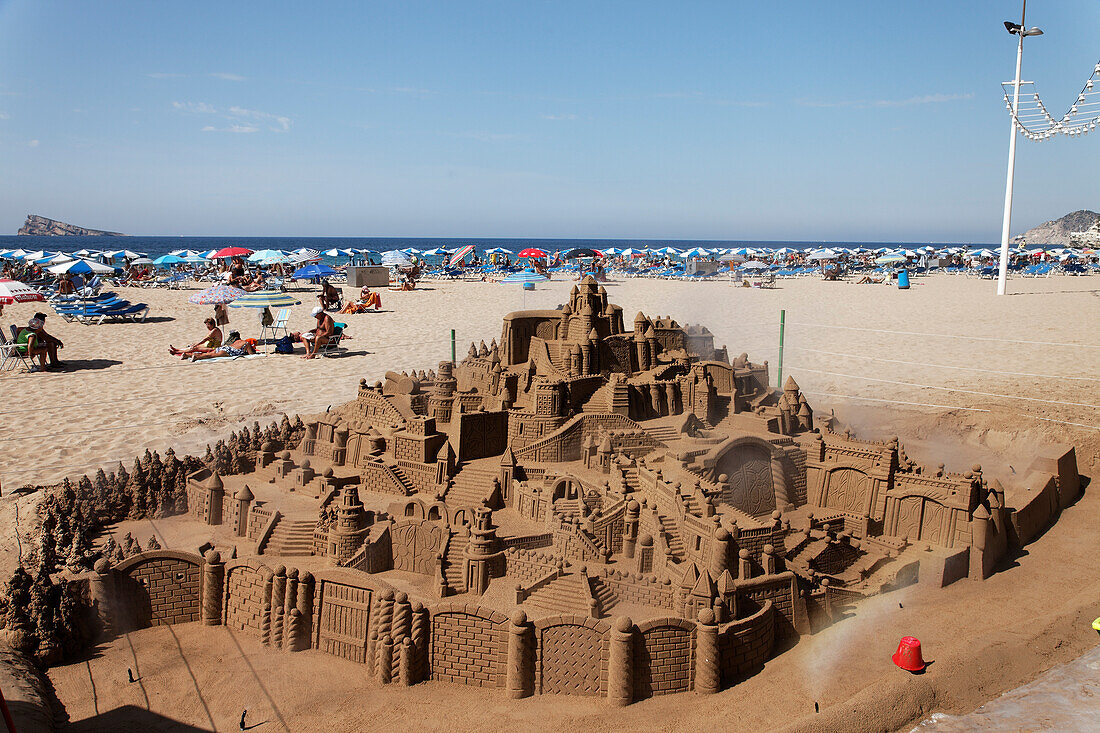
{"x": 13, "y": 291}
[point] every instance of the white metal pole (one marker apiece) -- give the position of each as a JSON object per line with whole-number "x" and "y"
{"x": 1006, "y": 224}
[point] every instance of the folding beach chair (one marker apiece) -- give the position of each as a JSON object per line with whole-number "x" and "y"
{"x": 334, "y": 340}
{"x": 279, "y": 324}
{"x": 12, "y": 353}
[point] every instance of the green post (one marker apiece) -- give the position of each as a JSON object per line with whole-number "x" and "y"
{"x": 452, "y": 346}
{"x": 782, "y": 325}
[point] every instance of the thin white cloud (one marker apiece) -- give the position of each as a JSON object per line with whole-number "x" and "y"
{"x": 244, "y": 129}
{"x": 280, "y": 122}
{"x": 164, "y": 75}
{"x": 33, "y": 143}
{"x": 240, "y": 118}
{"x": 4, "y": 116}
{"x": 226, "y": 76}
{"x": 907, "y": 102}
{"x": 559, "y": 117}
{"x": 415, "y": 91}
{"x": 194, "y": 107}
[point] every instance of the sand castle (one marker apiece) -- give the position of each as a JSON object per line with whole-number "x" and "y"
{"x": 575, "y": 508}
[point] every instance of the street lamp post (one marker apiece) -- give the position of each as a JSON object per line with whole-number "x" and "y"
{"x": 1006, "y": 225}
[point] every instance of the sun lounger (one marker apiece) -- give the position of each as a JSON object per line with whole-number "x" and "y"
{"x": 334, "y": 340}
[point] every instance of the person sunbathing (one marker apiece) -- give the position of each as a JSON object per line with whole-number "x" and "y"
{"x": 320, "y": 335}
{"x": 233, "y": 347}
{"x": 212, "y": 341}
{"x": 367, "y": 300}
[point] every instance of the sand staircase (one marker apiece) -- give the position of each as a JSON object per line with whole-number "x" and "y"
{"x": 454, "y": 563}
{"x": 291, "y": 538}
{"x": 473, "y": 484}
{"x": 664, "y": 433}
{"x": 566, "y": 594}
{"x": 402, "y": 479}
{"x": 600, "y": 401}
{"x": 605, "y": 597}
{"x": 675, "y": 543}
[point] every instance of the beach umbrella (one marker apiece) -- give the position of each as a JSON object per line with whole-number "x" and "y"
{"x": 123, "y": 253}
{"x": 532, "y": 252}
{"x": 668, "y": 251}
{"x": 263, "y": 254}
{"x": 141, "y": 261}
{"x": 310, "y": 272}
{"x": 219, "y": 294}
{"x": 524, "y": 276}
{"x": 13, "y": 291}
{"x": 38, "y": 255}
{"x": 55, "y": 260}
{"x": 335, "y": 252}
{"x": 265, "y": 299}
{"x": 696, "y": 252}
{"x": 273, "y": 259}
{"x": 166, "y": 260}
{"x": 194, "y": 259}
{"x": 16, "y": 253}
{"x": 612, "y": 252}
{"x": 304, "y": 254}
{"x": 82, "y": 253}
{"x": 436, "y": 252}
{"x": 731, "y": 257}
{"x": 498, "y": 251}
{"x": 82, "y": 267}
{"x": 395, "y": 258}
{"x": 823, "y": 254}
{"x": 460, "y": 254}
{"x": 889, "y": 259}
{"x": 580, "y": 252}
{"x": 231, "y": 252}
{"x": 628, "y": 252}
{"x": 754, "y": 265}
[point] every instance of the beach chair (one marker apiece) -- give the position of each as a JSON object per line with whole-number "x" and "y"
{"x": 11, "y": 353}
{"x": 334, "y": 341}
{"x": 279, "y": 324}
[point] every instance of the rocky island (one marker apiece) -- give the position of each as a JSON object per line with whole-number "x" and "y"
{"x": 41, "y": 226}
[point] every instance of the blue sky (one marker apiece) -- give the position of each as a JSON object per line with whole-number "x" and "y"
{"x": 849, "y": 120}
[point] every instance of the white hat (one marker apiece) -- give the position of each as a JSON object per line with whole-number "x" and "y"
{"x": 316, "y": 309}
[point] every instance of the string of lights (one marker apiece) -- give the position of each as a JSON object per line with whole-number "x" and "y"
{"x": 1035, "y": 122}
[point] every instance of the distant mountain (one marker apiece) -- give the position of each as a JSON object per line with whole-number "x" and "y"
{"x": 40, "y": 225}
{"x": 1059, "y": 231}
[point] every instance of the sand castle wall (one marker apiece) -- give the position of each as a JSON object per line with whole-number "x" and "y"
{"x": 363, "y": 619}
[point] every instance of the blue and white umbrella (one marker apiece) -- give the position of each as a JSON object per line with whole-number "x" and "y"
{"x": 315, "y": 270}
{"x": 82, "y": 267}
{"x": 524, "y": 276}
{"x": 168, "y": 260}
{"x": 395, "y": 258}
{"x": 498, "y": 251}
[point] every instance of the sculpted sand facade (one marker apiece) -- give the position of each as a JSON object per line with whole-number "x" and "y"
{"x": 575, "y": 508}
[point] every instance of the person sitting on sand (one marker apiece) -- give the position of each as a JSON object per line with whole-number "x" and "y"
{"x": 212, "y": 341}
{"x": 329, "y": 296}
{"x": 367, "y": 300}
{"x": 233, "y": 347}
{"x": 255, "y": 283}
{"x": 28, "y": 344}
{"x": 51, "y": 343}
{"x": 321, "y": 335}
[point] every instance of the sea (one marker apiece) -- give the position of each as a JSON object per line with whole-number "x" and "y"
{"x": 156, "y": 246}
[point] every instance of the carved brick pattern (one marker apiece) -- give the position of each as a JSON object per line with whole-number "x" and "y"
{"x": 244, "y": 598}
{"x": 745, "y": 645}
{"x": 662, "y": 661}
{"x": 468, "y": 649}
{"x": 163, "y": 591}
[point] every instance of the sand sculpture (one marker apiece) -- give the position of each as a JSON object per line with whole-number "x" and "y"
{"x": 577, "y": 508}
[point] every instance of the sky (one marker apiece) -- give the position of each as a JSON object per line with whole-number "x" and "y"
{"x": 849, "y": 120}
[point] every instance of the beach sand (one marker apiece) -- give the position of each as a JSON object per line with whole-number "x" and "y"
{"x": 1040, "y": 384}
